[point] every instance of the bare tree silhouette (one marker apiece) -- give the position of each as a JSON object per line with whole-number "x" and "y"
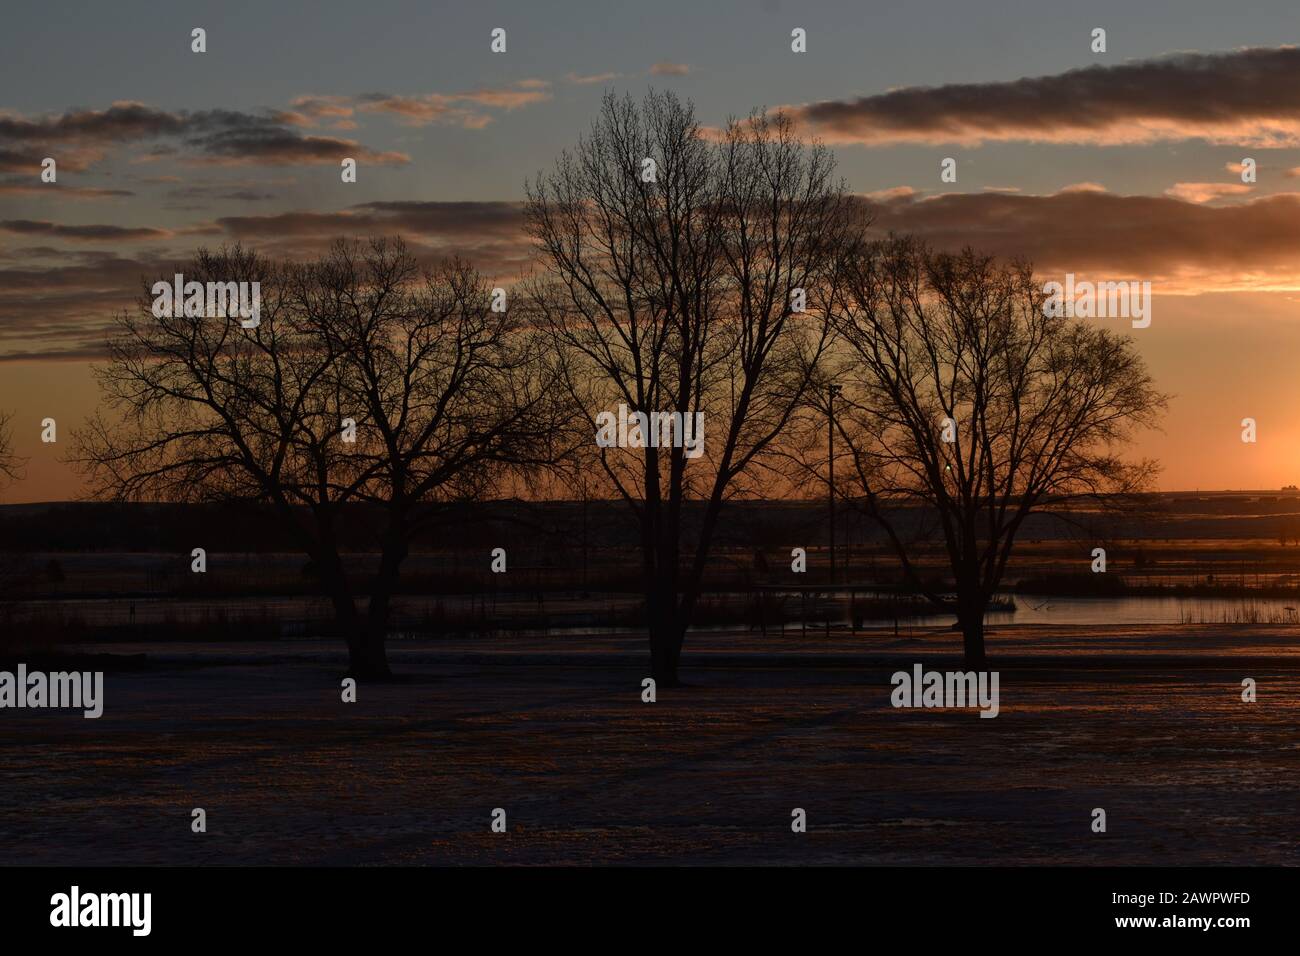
{"x": 1037, "y": 408}
{"x": 673, "y": 267}
{"x": 10, "y": 471}
{"x": 444, "y": 392}
{"x": 10, "y": 463}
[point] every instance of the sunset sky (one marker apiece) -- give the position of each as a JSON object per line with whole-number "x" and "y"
{"x": 1116, "y": 166}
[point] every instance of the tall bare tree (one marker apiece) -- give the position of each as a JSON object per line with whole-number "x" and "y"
{"x": 366, "y": 380}
{"x": 966, "y": 406}
{"x": 686, "y": 275}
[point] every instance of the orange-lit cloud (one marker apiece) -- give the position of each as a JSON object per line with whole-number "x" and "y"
{"x": 459, "y": 109}
{"x": 593, "y": 78}
{"x": 889, "y": 195}
{"x": 318, "y": 107}
{"x": 1185, "y": 246}
{"x": 1206, "y": 192}
{"x": 59, "y": 295}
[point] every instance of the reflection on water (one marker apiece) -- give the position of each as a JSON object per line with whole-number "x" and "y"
{"x": 1045, "y": 609}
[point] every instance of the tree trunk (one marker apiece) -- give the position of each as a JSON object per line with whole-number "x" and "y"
{"x": 367, "y": 656}
{"x": 663, "y": 667}
{"x": 665, "y": 640}
{"x": 371, "y": 659}
{"x": 970, "y": 617}
{"x": 367, "y": 653}
{"x": 666, "y": 634}
{"x": 659, "y": 555}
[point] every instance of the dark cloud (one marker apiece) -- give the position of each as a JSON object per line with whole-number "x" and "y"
{"x": 290, "y": 224}
{"x": 481, "y": 220}
{"x": 199, "y": 192}
{"x": 19, "y": 161}
{"x": 65, "y": 306}
{"x": 1191, "y": 246}
{"x": 276, "y": 145}
{"x": 95, "y": 233}
{"x": 489, "y": 234}
{"x": 32, "y": 186}
{"x": 52, "y": 298}
{"x": 121, "y": 123}
{"x": 1248, "y": 97}
{"x": 221, "y": 137}
{"x": 70, "y": 158}
{"x": 488, "y": 219}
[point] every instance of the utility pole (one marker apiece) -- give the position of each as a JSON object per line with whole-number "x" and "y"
{"x": 584, "y": 536}
{"x": 832, "y": 391}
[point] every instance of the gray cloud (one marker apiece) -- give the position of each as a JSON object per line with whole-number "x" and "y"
{"x": 218, "y": 137}
{"x": 93, "y": 233}
{"x": 1249, "y": 97}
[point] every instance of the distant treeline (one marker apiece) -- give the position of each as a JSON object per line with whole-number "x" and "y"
{"x": 561, "y": 526}
{"x": 249, "y": 527}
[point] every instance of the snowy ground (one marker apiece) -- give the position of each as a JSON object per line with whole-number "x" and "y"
{"x": 1147, "y": 723}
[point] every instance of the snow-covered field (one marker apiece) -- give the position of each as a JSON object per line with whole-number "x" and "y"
{"x": 1146, "y": 723}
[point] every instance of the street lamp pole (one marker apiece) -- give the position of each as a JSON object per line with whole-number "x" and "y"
{"x": 832, "y": 390}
